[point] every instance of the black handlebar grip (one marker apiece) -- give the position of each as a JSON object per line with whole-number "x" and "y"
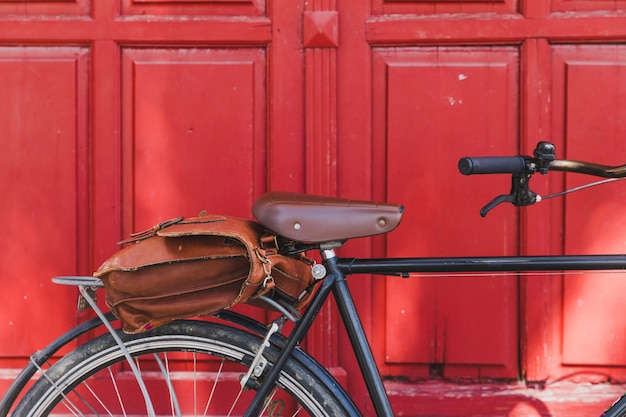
{"x": 492, "y": 165}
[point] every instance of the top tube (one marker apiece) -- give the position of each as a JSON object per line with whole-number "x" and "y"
{"x": 405, "y": 266}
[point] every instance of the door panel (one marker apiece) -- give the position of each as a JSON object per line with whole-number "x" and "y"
{"x": 441, "y": 7}
{"x": 585, "y": 5}
{"x": 194, "y": 132}
{"x": 595, "y": 107}
{"x": 440, "y": 104}
{"x": 194, "y": 7}
{"x": 43, "y": 183}
{"x": 38, "y": 8}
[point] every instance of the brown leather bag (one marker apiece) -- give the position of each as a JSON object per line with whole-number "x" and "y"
{"x": 198, "y": 266}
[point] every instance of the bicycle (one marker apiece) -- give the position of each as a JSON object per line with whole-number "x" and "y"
{"x": 265, "y": 371}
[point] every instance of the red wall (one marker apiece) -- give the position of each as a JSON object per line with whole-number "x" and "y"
{"x": 118, "y": 114}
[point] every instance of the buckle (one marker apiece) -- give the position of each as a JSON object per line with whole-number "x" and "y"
{"x": 136, "y": 237}
{"x": 269, "y": 243}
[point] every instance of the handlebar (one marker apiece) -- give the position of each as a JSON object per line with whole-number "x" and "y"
{"x": 518, "y": 164}
{"x": 523, "y": 167}
{"x": 588, "y": 168}
{"x": 492, "y": 165}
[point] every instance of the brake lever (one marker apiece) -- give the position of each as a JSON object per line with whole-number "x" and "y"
{"x": 520, "y": 194}
{"x": 505, "y": 198}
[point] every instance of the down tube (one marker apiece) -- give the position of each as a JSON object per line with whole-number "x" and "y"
{"x": 618, "y": 409}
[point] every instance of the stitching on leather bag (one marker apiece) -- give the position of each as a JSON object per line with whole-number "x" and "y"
{"x": 187, "y": 290}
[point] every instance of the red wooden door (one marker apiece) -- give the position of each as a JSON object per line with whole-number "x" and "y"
{"x": 119, "y": 114}
{"x": 432, "y": 81}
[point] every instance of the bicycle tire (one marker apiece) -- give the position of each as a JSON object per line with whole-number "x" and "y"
{"x": 69, "y": 385}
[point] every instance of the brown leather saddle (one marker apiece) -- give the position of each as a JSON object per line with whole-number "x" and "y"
{"x": 316, "y": 219}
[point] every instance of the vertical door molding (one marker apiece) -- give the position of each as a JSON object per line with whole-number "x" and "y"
{"x": 285, "y": 142}
{"x": 320, "y": 41}
{"x": 540, "y": 321}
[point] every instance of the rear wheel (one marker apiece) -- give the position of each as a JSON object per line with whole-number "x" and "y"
{"x": 189, "y": 368}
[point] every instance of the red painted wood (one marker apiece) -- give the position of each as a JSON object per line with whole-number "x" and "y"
{"x": 44, "y": 186}
{"x": 494, "y": 399}
{"x": 320, "y": 33}
{"x": 184, "y": 147}
{"x": 385, "y": 30}
{"x": 586, "y": 5}
{"x": 355, "y": 178}
{"x": 434, "y": 7}
{"x": 32, "y": 9}
{"x": 100, "y": 125}
{"x": 541, "y": 116}
{"x": 193, "y": 7}
{"x": 343, "y": 122}
{"x": 453, "y": 326}
{"x": 286, "y": 150}
{"x": 539, "y": 294}
{"x": 320, "y": 29}
{"x": 254, "y": 30}
{"x": 106, "y": 223}
{"x": 594, "y": 223}
{"x": 567, "y": 329}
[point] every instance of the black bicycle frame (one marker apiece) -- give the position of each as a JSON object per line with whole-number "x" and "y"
{"x": 401, "y": 266}
{"x": 406, "y": 266}
{"x": 335, "y": 282}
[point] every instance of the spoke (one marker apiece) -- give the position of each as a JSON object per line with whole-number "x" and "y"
{"x": 117, "y": 393}
{"x": 85, "y": 293}
{"x": 101, "y": 385}
{"x": 217, "y": 378}
{"x": 175, "y": 406}
{"x": 71, "y": 407}
{"x": 297, "y": 411}
{"x": 97, "y": 397}
{"x": 88, "y": 404}
{"x": 166, "y": 374}
{"x": 268, "y": 402}
{"x": 230, "y": 412}
{"x": 195, "y": 385}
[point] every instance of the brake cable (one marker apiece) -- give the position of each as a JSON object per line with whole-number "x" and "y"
{"x": 582, "y": 187}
